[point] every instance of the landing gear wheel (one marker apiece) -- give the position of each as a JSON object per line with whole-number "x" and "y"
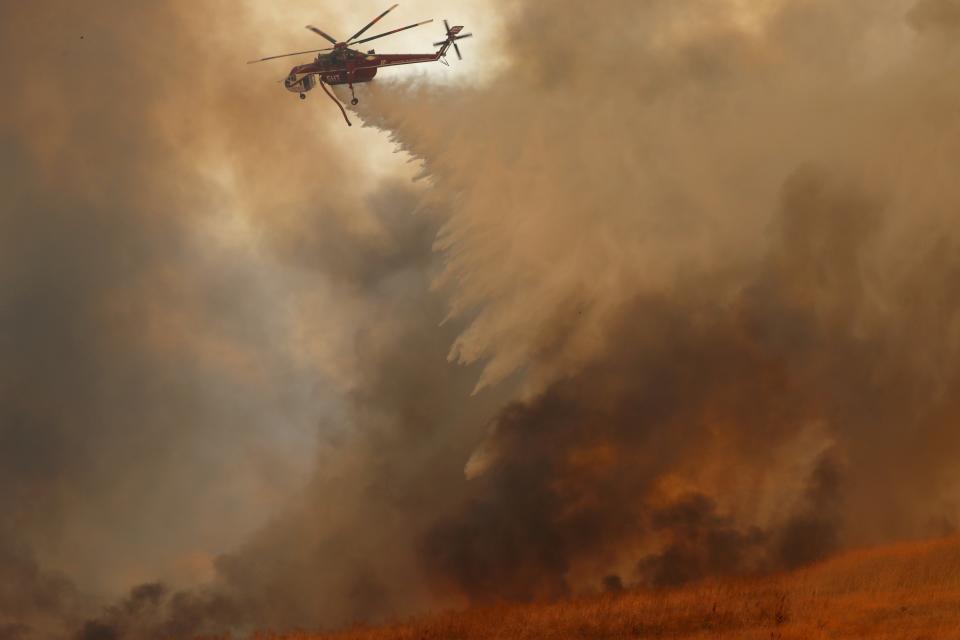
{"x": 303, "y": 96}
{"x": 354, "y": 102}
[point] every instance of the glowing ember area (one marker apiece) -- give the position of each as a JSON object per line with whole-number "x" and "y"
{"x": 899, "y": 592}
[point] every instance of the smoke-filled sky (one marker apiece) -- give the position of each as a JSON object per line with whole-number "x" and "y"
{"x": 640, "y": 292}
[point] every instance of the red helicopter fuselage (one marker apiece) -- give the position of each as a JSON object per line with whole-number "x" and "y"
{"x": 349, "y": 66}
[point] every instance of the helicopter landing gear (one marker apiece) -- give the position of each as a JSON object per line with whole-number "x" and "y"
{"x": 303, "y": 96}
{"x": 353, "y": 95}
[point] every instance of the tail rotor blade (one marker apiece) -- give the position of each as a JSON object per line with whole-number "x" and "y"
{"x": 371, "y": 23}
{"x": 452, "y": 37}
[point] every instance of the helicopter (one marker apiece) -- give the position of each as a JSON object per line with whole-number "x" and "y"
{"x": 340, "y": 64}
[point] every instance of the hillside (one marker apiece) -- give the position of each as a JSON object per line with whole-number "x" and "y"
{"x": 909, "y": 591}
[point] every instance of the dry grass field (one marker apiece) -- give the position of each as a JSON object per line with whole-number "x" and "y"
{"x": 908, "y": 591}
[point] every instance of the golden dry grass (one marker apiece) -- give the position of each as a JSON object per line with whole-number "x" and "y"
{"x": 908, "y": 591}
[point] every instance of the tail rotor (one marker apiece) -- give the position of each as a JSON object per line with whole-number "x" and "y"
{"x": 453, "y": 35}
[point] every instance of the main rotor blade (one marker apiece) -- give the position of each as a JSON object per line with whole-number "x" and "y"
{"x": 457, "y": 49}
{"x": 322, "y": 34}
{"x": 419, "y": 24}
{"x": 287, "y": 55}
{"x": 446, "y": 25}
{"x": 373, "y": 22}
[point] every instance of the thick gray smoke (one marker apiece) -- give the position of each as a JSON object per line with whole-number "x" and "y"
{"x": 642, "y": 462}
{"x": 721, "y": 244}
{"x": 675, "y": 299}
{"x": 184, "y": 325}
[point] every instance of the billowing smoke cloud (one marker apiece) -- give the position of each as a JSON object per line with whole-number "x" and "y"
{"x": 184, "y": 323}
{"x": 696, "y": 260}
{"x": 224, "y": 389}
{"x": 720, "y": 243}
{"x": 935, "y": 14}
{"x": 33, "y": 600}
{"x": 653, "y": 443}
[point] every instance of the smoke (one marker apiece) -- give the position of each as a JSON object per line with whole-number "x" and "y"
{"x": 718, "y": 243}
{"x": 675, "y": 298}
{"x": 935, "y": 14}
{"x": 186, "y": 325}
{"x": 41, "y": 600}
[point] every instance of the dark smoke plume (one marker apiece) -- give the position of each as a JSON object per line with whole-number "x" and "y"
{"x": 725, "y": 264}
{"x": 691, "y": 400}
{"x": 197, "y": 343}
